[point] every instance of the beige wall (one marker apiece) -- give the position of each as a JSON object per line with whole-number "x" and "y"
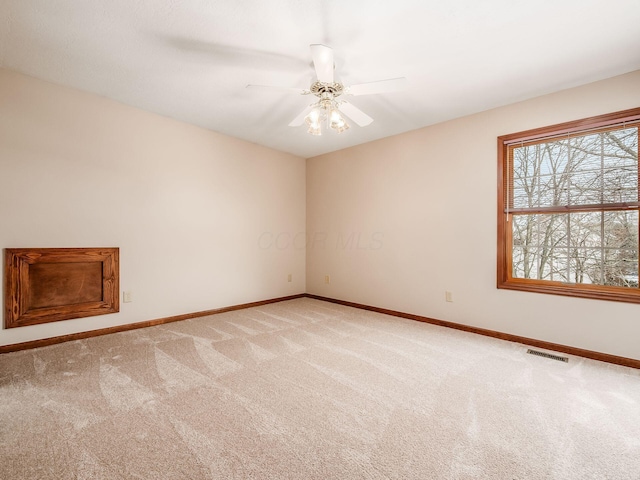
{"x": 193, "y": 212}
{"x": 398, "y": 222}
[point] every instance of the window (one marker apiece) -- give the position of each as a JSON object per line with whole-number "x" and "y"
{"x": 568, "y": 205}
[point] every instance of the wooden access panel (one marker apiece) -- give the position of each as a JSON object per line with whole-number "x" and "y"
{"x": 51, "y": 284}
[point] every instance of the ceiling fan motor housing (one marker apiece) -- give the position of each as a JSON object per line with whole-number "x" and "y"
{"x": 320, "y": 89}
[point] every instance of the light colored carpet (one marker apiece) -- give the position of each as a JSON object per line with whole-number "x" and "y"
{"x": 305, "y": 389}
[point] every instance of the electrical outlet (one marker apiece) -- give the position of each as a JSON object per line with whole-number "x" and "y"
{"x": 327, "y": 279}
{"x": 126, "y": 297}
{"x": 448, "y": 296}
{"x": 289, "y": 278}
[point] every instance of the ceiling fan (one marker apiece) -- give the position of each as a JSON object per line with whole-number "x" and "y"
{"x": 329, "y": 109}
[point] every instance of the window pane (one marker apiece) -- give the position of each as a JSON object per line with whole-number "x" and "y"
{"x": 538, "y": 175}
{"x": 582, "y": 170}
{"x": 621, "y": 248}
{"x": 585, "y": 265}
{"x": 621, "y": 268}
{"x": 598, "y": 248}
{"x": 621, "y": 229}
{"x": 540, "y": 246}
{"x": 519, "y": 262}
{"x": 543, "y": 230}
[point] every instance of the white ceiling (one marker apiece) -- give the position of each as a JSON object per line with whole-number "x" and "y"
{"x": 191, "y": 59}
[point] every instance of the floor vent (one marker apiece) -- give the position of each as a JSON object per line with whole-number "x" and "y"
{"x": 548, "y": 355}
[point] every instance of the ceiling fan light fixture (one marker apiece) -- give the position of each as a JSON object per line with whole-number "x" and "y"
{"x": 315, "y": 130}
{"x": 344, "y": 126}
{"x": 337, "y": 121}
{"x": 313, "y": 118}
{"x": 326, "y": 112}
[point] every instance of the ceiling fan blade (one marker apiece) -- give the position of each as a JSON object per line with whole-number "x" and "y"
{"x": 299, "y": 120}
{"x": 299, "y": 91}
{"x": 323, "y": 62}
{"x": 382, "y": 86}
{"x": 355, "y": 114}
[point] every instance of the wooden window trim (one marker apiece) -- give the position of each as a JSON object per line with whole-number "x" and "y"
{"x": 505, "y": 279}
